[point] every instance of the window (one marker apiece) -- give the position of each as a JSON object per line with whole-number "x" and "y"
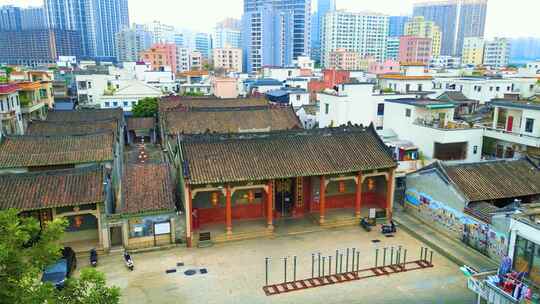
{"x": 407, "y": 112}
{"x": 1, "y": 106}
{"x": 529, "y": 125}
{"x": 115, "y": 103}
{"x": 326, "y": 108}
{"x": 380, "y": 109}
{"x": 125, "y": 103}
{"x": 475, "y": 149}
{"x": 298, "y": 97}
{"x": 107, "y": 104}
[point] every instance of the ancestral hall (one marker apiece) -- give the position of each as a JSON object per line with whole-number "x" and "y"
{"x": 288, "y": 173}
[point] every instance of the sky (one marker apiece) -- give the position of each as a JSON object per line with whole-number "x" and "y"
{"x": 506, "y": 18}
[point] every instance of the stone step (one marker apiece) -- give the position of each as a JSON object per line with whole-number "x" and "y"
{"x": 241, "y": 236}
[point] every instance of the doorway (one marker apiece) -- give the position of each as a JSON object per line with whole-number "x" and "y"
{"x": 116, "y": 236}
{"x": 284, "y": 195}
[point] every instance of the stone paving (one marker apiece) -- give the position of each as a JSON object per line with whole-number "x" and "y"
{"x": 236, "y": 272}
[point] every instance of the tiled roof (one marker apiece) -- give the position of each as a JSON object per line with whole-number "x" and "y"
{"x": 39, "y": 190}
{"x": 29, "y": 85}
{"x": 148, "y": 188}
{"x": 86, "y": 115}
{"x": 495, "y": 180}
{"x": 231, "y": 120}
{"x": 453, "y": 96}
{"x": 176, "y": 102}
{"x": 137, "y": 123}
{"x": 252, "y": 157}
{"x": 32, "y": 151}
{"x": 39, "y": 127}
{"x": 8, "y": 88}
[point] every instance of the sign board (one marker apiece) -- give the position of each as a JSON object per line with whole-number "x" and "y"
{"x": 162, "y": 228}
{"x": 372, "y": 212}
{"x": 137, "y": 228}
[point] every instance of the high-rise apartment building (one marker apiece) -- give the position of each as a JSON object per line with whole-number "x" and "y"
{"x": 456, "y": 19}
{"x": 419, "y": 27}
{"x": 38, "y": 47}
{"x": 362, "y": 33}
{"x": 10, "y": 18}
{"x": 301, "y": 23}
{"x": 203, "y": 43}
{"x": 131, "y": 42}
{"x": 323, "y": 7}
{"x": 33, "y": 18}
{"x": 161, "y": 56}
{"x": 414, "y": 50}
{"x": 268, "y": 37}
{"x": 497, "y": 52}
{"x": 228, "y": 33}
{"x": 392, "y": 48}
{"x": 109, "y": 16}
{"x": 473, "y": 51}
{"x": 342, "y": 59}
{"x": 228, "y": 59}
{"x": 396, "y": 25}
{"x": 161, "y": 33}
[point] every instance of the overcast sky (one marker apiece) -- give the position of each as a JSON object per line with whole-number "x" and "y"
{"x": 507, "y": 18}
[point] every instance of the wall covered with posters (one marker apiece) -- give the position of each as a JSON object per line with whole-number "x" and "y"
{"x": 432, "y": 199}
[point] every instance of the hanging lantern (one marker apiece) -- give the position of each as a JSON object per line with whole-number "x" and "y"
{"x": 371, "y": 184}
{"x": 251, "y": 196}
{"x": 341, "y": 186}
{"x": 215, "y": 198}
{"x": 77, "y": 221}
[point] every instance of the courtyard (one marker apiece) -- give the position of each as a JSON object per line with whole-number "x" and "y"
{"x": 236, "y": 272}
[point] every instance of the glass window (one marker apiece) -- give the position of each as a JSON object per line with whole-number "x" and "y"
{"x": 115, "y": 103}
{"x": 107, "y": 104}
{"x": 326, "y": 108}
{"x": 521, "y": 259}
{"x": 125, "y": 103}
{"x": 529, "y": 125}
{"x": 407, "y": 112}
{"x": 380, "y": 109}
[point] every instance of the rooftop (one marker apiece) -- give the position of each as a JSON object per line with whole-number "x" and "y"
{"x": 34, "y": 151}
{"x": 424, "y": 103}
{"x": 51, "y": 128}
{"x": 86, "y": 115}
{"x": 47, "y": 189}
{"x": 8, "y": 89}
{"x": 137, "y": 123}
{"x": 522, "y": 104}
{"x": 282, "y": 154}
{"x": 149, "y": 188}
{"x": 404, "y": 77}
{"x": 183, "y": 103}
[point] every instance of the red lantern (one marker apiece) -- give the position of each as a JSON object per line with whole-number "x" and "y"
{"x": 251, "y": 196}
{"x": 341, "y": 186}
{"x": 215, "y": 198}
{"x": 370, "y": 184}
{"x": 77, "y": 221}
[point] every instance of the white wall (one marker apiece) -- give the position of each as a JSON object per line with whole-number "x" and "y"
{"x": 398, "y": 85}
{"x": 281, "y": 74}
{"x": 485, "y": 90}
{"x": 298, "y": 99}
{"x": 528, "y": 232}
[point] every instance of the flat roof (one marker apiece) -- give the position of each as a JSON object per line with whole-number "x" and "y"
{"x": 516, "y": 104}
{"x": 424, "y": 103}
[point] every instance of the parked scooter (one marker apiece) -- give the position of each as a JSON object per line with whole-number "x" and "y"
{"x": 128, "y": 261}
{"x": 388, "y": 228}
{"x": 93, "y": 257}
{"x": 364, "y": 223}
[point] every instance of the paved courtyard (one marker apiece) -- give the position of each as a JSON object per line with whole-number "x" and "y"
{"x": 236, "y": 273}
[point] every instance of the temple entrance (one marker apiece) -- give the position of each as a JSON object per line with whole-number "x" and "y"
{"x": 284, "y": 194}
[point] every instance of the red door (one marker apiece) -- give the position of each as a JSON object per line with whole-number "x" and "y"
{"x": 510, "y": 124}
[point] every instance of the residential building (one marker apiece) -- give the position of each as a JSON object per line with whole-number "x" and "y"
{"x": 280, "y": 74}
{"x": 392, "y": 48}
{"x": 203, "y": 44}
{"x": 396, "y": 25}
{"x": 187, "y": 60}
{"x": 308, "y": 115}
{"x": 228, "y": 59}
{"x": 387, "y": 67}
{"x": 469, "y": 202}
{"x": 414, "y": 49}
{"x": 420, "y": 27}
{"x": 223, "y": 87}
{"x": 160, "y": 56}
{"x": 456, "y": 19}
{"x": 445, "y": 62}
{"x": 524, "y": 232}
{"x": 497, "y": 52}
{"x": 38, "y": 47}
{"x": 125, "y": 94}
{"x": 11, "y": 122}
{"x": 330, "y": 79}
{"x": 91, "y": 87}
{"x": 10, "y": 18}
{"x": 342, "y": 59}
{"x": 305, "y": 64}
{"x": 295, "y": 97}
{"x": 161, "y": 33}
{"x": 485, "y": 89}
{"x": 473, "y": 51}
{"x": 515, "y": 130}
{"x": 131, "y": 42}
{"x": 196, "y": 60}
{"x": 362, "y": 33}
{"x": 430, "y": 125}
{"x": 227, "y": 33}
{"x": 33, "y": 18}
{"x": 323, "y": 7}
{"x": 298, "y": 10}
{"x": 276, "y": 46}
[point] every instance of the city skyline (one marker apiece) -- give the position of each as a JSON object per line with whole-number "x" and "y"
{"x": 199, "y": 17}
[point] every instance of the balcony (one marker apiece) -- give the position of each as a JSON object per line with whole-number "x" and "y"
{"x": 32, "y": 107}
{"x": 439, "y": 125}
{"x": 486, "y": 290}
{"x": 8, "y": 115}
{"x": 519, "y": 138}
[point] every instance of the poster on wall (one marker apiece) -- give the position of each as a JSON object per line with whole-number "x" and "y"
{"x": 162, "y": 228}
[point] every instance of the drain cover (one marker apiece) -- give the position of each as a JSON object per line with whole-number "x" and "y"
{"x": 190, "y": 272}
{"x": 375, "y": 241}
{"x": 170, "y": 270}
{"x": 203, "y": 270}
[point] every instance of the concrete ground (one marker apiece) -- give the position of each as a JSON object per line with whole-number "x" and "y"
{"x": 236, "y": 272}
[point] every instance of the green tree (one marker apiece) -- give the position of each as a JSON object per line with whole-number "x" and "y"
{"x": 26, "y": 249}
{"x": 146, "y": 107}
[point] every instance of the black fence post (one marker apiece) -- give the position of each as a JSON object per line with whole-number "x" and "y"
{"x": 329, "y": 265}
{"x": 294, "y": 268}
{"x": 266, "y": 259}
{"x": 376, "y": 257}
{"x": 285, "y": 270}
{"x": 312, "y": 265}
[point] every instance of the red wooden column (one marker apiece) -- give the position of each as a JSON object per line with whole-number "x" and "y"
{"x": 358, "y": 198}
{"x": 269, "y": 203}
{"x": 389, "y": 194}
{"x": 189, "y": 216}
{"x": 322, "y": 199}
{"x": 228, "y": 209}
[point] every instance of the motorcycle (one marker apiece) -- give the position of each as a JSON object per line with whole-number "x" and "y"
{"x": 388, "y": 228}
{"x": 128, "y": 261}
{"x": 364, "y": 223}
{"x": 93, "y": 257}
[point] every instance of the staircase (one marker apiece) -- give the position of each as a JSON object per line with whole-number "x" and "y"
{"x": 341, "y": 222}
{"x": 238, "y": 236}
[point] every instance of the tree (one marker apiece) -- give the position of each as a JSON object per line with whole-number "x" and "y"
{"x": 146, "y": 107}
{"x": 26, "y": 249}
